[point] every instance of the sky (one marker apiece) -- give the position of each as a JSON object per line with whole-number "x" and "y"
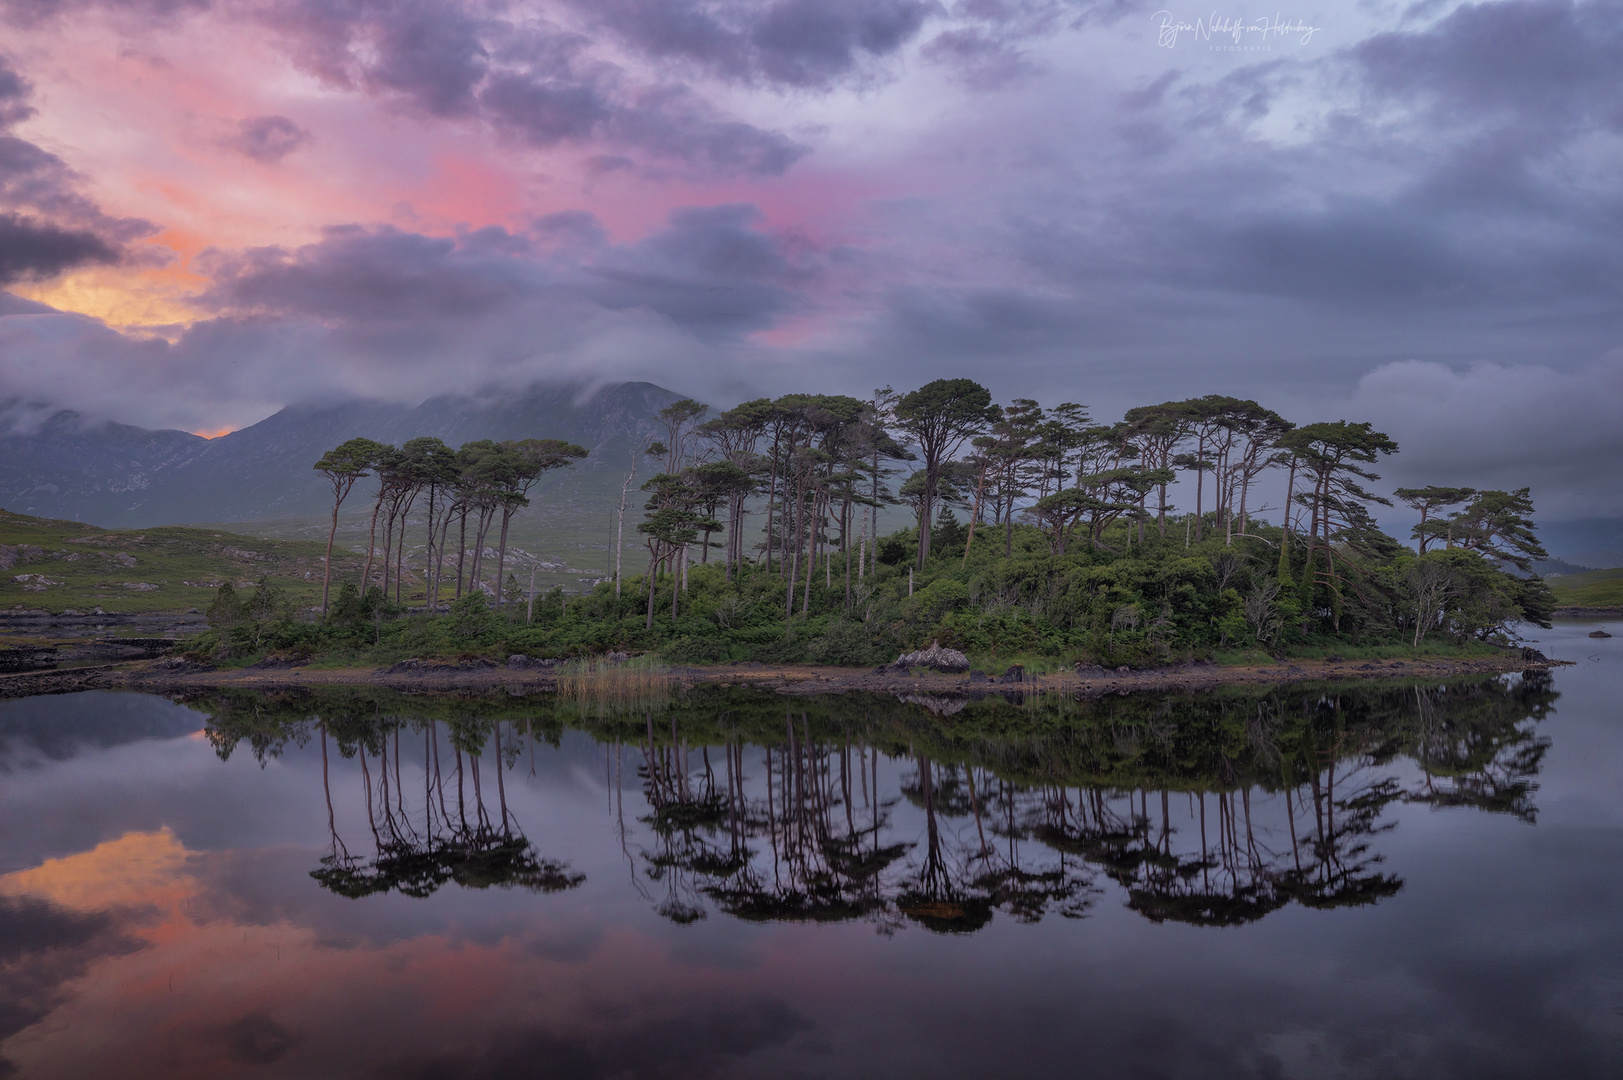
{"x": 1399, "y": 213}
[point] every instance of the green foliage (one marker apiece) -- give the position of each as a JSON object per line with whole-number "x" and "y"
{"x": 471, "y": 619}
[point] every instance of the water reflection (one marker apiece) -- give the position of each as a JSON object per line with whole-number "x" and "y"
{"x": 421, "y": 840}
{"x": 1211, "y": 810}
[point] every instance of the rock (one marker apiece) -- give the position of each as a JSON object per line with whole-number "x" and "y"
{"x": 1123, "y": 670}
{"x": 882, "y": 669}
{"x": 935, "y": 658}
{"x": 938, "y": 706}
{"x": 978, "y": 676}
{"x": 616, "y": 658}
{"x": 521, "y": 661}
{"x": 1334, "y": 658}
{"x": 1091, "y": 671}
{"x": 1529, "y": 653}
{"x": 1015, "y": 674}
{"x": 1599, "y": 634}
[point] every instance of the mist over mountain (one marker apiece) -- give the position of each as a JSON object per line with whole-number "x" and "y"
{"x": 117, "y": 476}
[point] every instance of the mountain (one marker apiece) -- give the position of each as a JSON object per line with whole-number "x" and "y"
{"x": 99, "y": 473}
{"x": 118, "y": 476}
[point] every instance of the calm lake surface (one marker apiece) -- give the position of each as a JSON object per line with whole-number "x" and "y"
{"x": 1328, "y": 882}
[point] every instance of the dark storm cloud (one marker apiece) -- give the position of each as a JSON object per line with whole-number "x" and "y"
{"x": 530, "y": 79}
{"x": 1453, "y": 168}
{"x": 1554, "y": 63}
{"x": 429, "y": 52}
{"x": 710, "y": 272}
{"x": 268, "y": 139}
{"x": 361, "y": 274}
{"x": 798, "y": 43}
{"x": 31, "y": 249}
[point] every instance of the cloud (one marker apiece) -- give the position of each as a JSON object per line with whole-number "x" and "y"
{"x": 60, "y": 229}
{"x": 376, "y": 311}
{"x": 267, "y": 139}
{"x": 14, "y": 93}
{"x": 30, "y": 250}
{"x": 1553, "y": 63}
{"x": 529, "y": 78}
{"x": 43, "y": 947}
{"x": 810, "y": 44}
{"x": 1504, "y": 426}
{"x": 32, "y": 12}
{"x": 710, "y": 271}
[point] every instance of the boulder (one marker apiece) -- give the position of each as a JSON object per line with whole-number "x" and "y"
{"x": 936, "y": 658}
{"x": 1015, "y": 674}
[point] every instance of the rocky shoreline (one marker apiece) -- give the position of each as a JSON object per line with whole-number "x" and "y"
{"x": 175, "y": 676}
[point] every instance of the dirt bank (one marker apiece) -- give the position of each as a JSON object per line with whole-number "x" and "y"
{"x": 162, "y": 677}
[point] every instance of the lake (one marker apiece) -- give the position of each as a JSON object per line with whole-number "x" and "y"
{"x": 1386, "y": 881}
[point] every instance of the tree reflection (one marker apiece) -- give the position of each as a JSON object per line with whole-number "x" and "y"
{"x": 1212, "y": 810}
{"x": 444, "y": 831}
{"x": 826, "y": 860}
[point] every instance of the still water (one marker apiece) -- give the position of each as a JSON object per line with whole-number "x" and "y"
{"x": 1410, "y": 880}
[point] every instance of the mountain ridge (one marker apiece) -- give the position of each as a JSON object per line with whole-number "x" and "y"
{"x": 119, "y": 476}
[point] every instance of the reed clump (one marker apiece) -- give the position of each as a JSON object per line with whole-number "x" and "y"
{"x": 605, "y": 685}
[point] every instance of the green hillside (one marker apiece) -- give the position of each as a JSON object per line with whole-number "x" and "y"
{"x": 57, "y": 565}
{"x": 1593, "y": 588}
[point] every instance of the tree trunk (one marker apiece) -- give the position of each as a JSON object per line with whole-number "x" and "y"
{"x": 980, "y": 487}
{"x": 811, "y": 553}
{"x": 649, "y": 625}
{"x": 794, "y": 562}
{"x": 461, "y": 549}
{"x": 845, "y": 545}
{"x": 1200, "y": 489}
{"x": 771, "y": 506}
{"x": 439, "y": 557}
{"x": 326, "y": 566}
{"x": 501, "y": 556}
{"x": 371, "y": 543}
{"x": 400, "y": 552}
{"x": 388, "y": 546}
{"x": 620, "y": 526}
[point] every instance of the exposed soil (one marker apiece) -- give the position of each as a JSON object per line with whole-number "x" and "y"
{"x": 176, "y": 676}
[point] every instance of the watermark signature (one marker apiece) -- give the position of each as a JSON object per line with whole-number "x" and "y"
{"x": 1234, "y": 35}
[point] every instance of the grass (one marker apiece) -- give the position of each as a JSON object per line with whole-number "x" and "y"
{"x": 1593, "y": 588}
{"x": 68, "y": 565}
{"x": 605, "y": 687}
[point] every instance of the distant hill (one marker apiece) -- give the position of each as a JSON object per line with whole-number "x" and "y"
{"x": 63, "y": 565}
{"x": 1558, "y": 568}
{"x": 118, "y": 476}
{"x": 1594, "y": 589}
